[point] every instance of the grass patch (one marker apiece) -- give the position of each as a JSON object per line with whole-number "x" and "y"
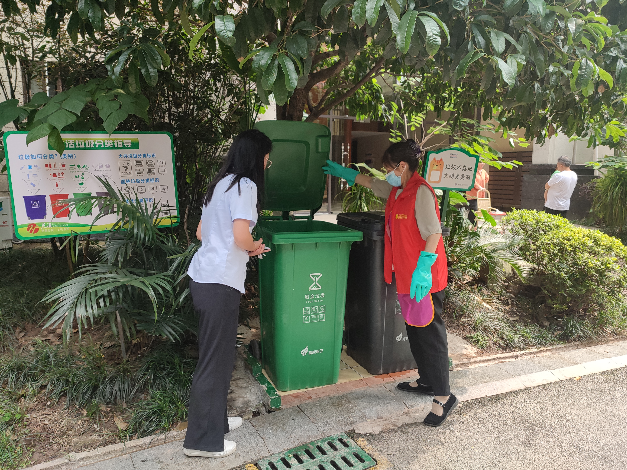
{"x": 494, "y": 320}
{"x": 13, "y": 454}
{"x": 156, "y": 389}
{"x": 481, "y": 317}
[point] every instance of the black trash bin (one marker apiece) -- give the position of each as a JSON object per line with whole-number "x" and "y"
{"x": 374, "y": 327}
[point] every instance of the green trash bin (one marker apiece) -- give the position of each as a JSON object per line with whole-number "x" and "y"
{"x": 302, "y": 280}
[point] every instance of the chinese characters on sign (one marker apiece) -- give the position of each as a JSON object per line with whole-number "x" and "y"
{"x": 41, "y": 180}
{"x": 451, "y": 168}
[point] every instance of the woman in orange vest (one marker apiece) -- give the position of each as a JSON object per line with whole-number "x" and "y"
{"x": 414, "y": 252}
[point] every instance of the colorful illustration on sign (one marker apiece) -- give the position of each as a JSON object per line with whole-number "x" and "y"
{"x": 434, "y": 175}
{"x": 35, "y": 207}
{"x": 60, "y": 209}
{"x": 127, "y": 160}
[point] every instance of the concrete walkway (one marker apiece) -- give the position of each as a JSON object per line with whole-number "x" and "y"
{"x": 371, "y": 409}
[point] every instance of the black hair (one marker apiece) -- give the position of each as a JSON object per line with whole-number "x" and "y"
{"x": 407, "y": 151}
{"x": 244, "y": 159}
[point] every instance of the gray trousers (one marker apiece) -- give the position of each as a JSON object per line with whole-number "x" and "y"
{"x": 429, "y": 347}
{"x": 217, "y": 306}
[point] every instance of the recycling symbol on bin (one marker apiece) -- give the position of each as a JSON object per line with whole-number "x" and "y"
{"x": 315, "y": 277}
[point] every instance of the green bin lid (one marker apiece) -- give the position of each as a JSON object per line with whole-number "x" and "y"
{"x": 295, "y": 181}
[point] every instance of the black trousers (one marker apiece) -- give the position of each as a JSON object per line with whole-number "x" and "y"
{"x": 473, "y": 205}
{"x": 555, "y": 212}
{"x": 217, "y": 306}
{"x": 429, "y": 347}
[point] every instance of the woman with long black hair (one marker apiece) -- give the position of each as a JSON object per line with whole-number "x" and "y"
{"x": 414, "y": 253}
{"x": 217, "y": 271}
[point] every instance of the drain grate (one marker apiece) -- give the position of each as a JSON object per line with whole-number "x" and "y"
{"x": 337, "y": 452}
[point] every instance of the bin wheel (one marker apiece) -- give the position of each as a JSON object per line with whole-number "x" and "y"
{"x": 255, "y": 349}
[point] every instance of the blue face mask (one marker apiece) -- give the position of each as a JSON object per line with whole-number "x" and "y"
{"x": 393, "y": 178}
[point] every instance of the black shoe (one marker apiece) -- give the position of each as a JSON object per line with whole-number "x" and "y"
{"x": 434, "y": 420}
{"x": 421, "y": 388}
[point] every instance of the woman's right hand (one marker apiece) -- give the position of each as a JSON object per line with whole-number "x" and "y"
{"x": 259, "y": 248}
{"x": 335, "y": 169}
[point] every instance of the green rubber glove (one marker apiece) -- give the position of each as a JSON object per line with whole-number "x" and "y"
{"x": 335, "y": 169}
{"x": 421, "y": 281}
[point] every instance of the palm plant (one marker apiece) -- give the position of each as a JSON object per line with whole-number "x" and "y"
{"x": 138, "y": 282}
{"x": 360, "y": 198}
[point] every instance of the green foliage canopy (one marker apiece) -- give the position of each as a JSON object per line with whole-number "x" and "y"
{"x": 560, "y": 65}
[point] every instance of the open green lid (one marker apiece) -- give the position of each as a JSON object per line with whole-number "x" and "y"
{"x": 295, "y": 181}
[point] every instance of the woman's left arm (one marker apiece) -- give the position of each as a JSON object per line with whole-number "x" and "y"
{"x": 198, "y": 235}
{"x": 432, "y": 242}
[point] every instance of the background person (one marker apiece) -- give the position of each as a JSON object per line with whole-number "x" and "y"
{"x": 559, "y": 189}
{"x": 479, "y": 190}
{"x": 218, "y": 270}
{"x": 414, "y": 252}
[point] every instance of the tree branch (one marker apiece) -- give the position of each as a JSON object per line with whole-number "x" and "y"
{"x": 324, "y": 74}
{"x": 317, "y": 58}
{"x": 322, "y": 108}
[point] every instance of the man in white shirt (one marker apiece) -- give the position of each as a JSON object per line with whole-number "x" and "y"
{"x": 559, "y": 188}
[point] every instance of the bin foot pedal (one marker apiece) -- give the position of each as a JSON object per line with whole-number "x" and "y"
{"x": 337, "y": 452}
{"x": 275, "y": 398}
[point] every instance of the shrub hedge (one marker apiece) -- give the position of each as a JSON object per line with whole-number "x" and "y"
{"x": 578, "y": 269}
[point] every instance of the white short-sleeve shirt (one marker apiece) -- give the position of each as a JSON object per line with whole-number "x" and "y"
{"x": 561, "y": 188}
{"x": 219, "y": 260}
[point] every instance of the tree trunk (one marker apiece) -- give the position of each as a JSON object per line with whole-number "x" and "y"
{"x": 295, "y": 107}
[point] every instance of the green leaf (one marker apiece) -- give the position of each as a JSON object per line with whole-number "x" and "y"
{"x": 512, "y": 7}
{"x": 38, "y": 132}
{"x": 61, "y": 118}
{"x": 440, "y": 23}
{"x": 114, "y": 119}
{"x": 76, "y": 101}
{"x": 73, "y": 26}
{"x": 461, "y": 69}
{"x": 262, "y": 60}
{"x": 9, "y": 112}
{"x": 406, "y": 30}
{"x": 373, "y": 7}
{"x": 279, "y": 90}
{"x": 488, "y": 217}
{"x": 432, "y": 38}
{"x": 148, "y": 67}
{"x": 106, "y": 107}
{"x": 225, "y": 28}
{"x": 393, "y": 17}
{"x": 498, "y": 41}
{"x": 359, "y": 12}
{"x": 297, "y": 45}
{"x": 47, "y": 110}
{"x": 194, "y": 42}
{"x": 508, "y": 74}
{"x": 457, "y": 198}
{"x": 585, "y": 74}
{"x": 55, "y": 141}
{"x": 604, "y": 75}
{"x": 291, "y": 77}
{"x": 269, "y": 75}
{"x": 328, "y": 7}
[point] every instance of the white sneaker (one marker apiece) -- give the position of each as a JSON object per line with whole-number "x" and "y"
{"x": 229, "y": 448}
{"x": 234, "y": 422}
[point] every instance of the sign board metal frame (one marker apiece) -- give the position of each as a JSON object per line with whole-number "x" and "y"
{"x": 93, "y": 154}
{"x": 451, "y": 157}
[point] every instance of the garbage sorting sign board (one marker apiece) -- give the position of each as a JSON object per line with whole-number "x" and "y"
{"x": 140, "y": 165}
{"x": 451, "y": 169}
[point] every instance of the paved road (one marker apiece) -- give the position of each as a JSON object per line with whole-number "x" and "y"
{"x": 571, "y": 424}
